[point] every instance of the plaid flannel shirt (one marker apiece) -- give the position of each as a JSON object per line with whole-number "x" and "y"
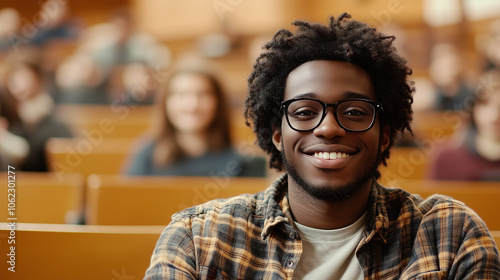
{"x": 254, "y": 237}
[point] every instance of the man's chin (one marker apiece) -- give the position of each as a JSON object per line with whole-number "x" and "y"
{"x": 331, "y": 192}
{"x": 328, "y": 189}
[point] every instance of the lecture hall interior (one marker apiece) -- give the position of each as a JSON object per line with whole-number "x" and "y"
{"x": 74, "y": 209}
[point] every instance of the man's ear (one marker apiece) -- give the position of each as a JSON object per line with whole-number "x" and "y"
{"x": 277, "y": 137}
{"x": 385, "y": 138}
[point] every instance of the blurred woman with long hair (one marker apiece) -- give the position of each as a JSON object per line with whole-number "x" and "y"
{"x": 192, "y": 136}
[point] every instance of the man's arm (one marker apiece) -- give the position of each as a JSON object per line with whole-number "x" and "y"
{"x": 452, "y": 242}
{"x": 477, "y": 257}
{"x": 174, "y": 255}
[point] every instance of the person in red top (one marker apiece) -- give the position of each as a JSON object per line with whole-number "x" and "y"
{"x": 474, "y": 155}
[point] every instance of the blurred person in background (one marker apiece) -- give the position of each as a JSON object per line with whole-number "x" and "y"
{"x": 134, "y": 84}
{"x": 126, "y": 45}
{"x": 111, "y": 61}
{"x": 130, "y": 59}
{"x": 29, "y": 110}
{"x": 193, "y": 133}
{"x": 491, "y": 46}
{"x": 13, "y": 149}
{"x": 10, "y": 22}
{"x": 446, "y": 71}
{"x": 56, "y": 38}
{"x": 474, "y": 154}
{"x": 81, "y": 81}
{"x": 52, "y": 31}
{"x": 58, "y": 24}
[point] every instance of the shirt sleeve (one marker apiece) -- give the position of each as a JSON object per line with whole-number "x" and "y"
{"x": 174, "y": 255}
{"x": 477, "y": 256}
{"x": 455, "y": 242}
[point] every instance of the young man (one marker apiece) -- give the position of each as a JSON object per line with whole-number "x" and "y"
{"x": 326, "y": 104}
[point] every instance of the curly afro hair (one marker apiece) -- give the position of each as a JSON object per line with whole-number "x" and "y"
{"x": 342, "y": 39}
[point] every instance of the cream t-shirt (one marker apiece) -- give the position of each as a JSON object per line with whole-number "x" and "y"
{"x": 329, "y": 254}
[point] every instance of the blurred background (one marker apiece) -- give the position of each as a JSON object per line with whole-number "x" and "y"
{"x": 230, "y": 32}
{"x": 99, "y": 64}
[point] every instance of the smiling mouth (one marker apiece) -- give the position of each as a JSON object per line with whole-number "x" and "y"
{"x": 330, "y": 155}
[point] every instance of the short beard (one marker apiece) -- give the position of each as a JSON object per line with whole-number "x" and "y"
{"x": 328, "y": 194}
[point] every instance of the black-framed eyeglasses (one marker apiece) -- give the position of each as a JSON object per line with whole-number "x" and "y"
{"x": 306, "y": 114}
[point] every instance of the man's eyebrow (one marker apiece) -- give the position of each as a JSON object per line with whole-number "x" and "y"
{"x": 345, "y": 95}
{"x": 307, "y": 95}
{"x": 350, "y": 94}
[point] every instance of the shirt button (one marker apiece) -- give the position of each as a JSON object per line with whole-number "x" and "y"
{"x": 290, "y": 264}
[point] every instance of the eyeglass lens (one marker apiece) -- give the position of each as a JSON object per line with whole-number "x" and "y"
{"x": 354, "y": 115}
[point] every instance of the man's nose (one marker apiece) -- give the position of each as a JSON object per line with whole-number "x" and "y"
{"x": 329, "y": 127}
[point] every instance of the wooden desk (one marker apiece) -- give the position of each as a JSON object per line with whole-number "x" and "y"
{"x": 44, "y": 197}
{"x": 121, "y": 200}
{"x": 130, "y": 121}
{"x": 81, "y": 155}
{"x": 110, "y": 121}
{"x": 44, "y": 251}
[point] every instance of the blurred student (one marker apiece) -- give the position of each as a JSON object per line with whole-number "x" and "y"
{"x": 447, "y": 72}
{"x": 476, "y": 153}
{"x": 111, "y": 63}
{"x": 29, "y": 112}
{"x": 491, "y": 46}
{"x": 10, "y": 24}
{"x": 192, "y": 137}
{"x": 60, "y": 25}
{"x": 13, "y": 149}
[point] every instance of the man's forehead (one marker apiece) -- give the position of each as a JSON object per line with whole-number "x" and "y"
{"x": 314, "y": 75}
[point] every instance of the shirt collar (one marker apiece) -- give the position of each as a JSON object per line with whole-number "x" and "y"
{"x": 277, "y": 210}
{"x": 377, "y": 224}
{"x": 276, "y": 206}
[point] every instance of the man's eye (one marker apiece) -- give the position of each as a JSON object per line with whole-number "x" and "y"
{"x": 354, "y": 113}
{"x": 305, "y": 113}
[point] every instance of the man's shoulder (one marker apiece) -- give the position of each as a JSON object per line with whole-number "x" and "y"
{"x": 439, "y": 208}
{"x": 436, "y": 205}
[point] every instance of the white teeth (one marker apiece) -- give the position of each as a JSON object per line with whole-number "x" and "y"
{"x": 332, "y": 155}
